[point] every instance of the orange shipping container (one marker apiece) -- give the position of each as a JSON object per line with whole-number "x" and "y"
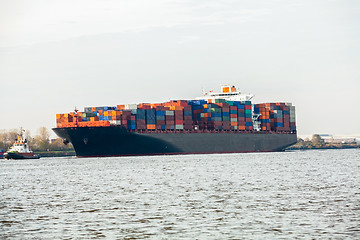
{"x": 120, "y": 107}
{"x": 241, "y": 127}
{"x": 150, "y": 126}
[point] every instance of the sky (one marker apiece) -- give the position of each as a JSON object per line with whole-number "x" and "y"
{"x": 61, "y": 54}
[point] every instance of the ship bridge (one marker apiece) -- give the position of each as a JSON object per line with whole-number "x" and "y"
{"x": 228, "y": 93}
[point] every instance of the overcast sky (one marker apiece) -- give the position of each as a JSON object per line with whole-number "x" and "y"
{"x": 55, "y": 55}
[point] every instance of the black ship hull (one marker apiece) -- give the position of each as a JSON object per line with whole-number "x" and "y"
{"x": 19, "y": 156}
{"x": 117, "y": 141}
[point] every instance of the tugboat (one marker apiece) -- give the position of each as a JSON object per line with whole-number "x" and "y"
{"x": 20, "y": 149}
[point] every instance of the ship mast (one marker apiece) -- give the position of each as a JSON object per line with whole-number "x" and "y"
{"x": 76, "y": 116}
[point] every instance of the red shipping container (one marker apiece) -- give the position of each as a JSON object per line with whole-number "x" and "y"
{"x": 140, "y": 122}
{"x": 160, "y": 122}
{"x": 226, "y": 127}
{"x": 188, "y": 118}
{"x": 223, "y": 105}
{"x": 248, "y": 128}
{"x": 160, "y": 108}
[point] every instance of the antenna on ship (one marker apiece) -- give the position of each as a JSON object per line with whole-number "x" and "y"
{"x": 21, "y": 134}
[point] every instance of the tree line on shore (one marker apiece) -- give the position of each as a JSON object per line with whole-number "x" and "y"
{"x": 316, "y": 142}
{"x": 40, "y": 142}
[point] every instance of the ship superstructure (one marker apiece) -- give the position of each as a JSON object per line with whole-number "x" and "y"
{"x": 229, "y": 93}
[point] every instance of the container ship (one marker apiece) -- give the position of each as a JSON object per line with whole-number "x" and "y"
{"x": 217, "y": 122}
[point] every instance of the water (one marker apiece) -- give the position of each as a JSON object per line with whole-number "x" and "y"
{"x": 287, "y": 195}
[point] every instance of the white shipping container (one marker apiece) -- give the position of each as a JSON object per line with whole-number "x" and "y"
{"x": 169, "y": 112}
{"x": 179, "y": 127}
{"x": 130, "y": 106}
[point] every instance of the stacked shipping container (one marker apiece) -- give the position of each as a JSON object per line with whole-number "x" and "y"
{"x": 276, "y": 116}
{"x": 180, "y": 115}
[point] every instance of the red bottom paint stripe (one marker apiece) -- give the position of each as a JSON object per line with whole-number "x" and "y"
{"x": 176, "y": 153}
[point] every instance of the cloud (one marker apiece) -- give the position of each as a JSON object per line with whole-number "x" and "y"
{"x": 38, "y": 21}
{"x": 187, "y": 39}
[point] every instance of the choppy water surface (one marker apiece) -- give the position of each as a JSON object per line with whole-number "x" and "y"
{"x": 288, "y": 195}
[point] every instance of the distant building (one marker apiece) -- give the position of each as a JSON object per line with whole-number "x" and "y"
{"x": 328, "y": 138}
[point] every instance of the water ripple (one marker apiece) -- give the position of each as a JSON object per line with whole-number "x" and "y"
{"x": 288, "y": 195}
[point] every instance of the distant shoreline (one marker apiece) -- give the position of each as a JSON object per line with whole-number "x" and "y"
{"x": 294, "y": 147}
{"x": 56, "y": 153}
